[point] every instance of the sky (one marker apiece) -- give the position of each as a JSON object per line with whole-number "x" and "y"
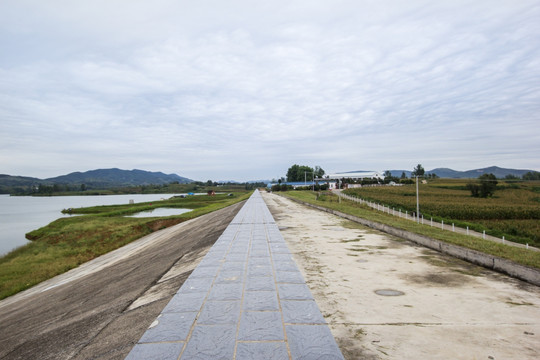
{"x": 242, "y": 90}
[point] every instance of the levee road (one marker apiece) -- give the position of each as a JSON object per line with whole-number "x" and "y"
{"x": 101, "y": 309}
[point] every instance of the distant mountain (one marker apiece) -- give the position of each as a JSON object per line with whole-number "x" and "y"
{"x": 116, "y": 177}
{"x": 454, "y": 174}
{"x": 97, "y": 179}
{"x": 8, "y": 180}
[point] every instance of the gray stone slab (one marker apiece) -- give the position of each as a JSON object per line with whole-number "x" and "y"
{"x": 259, "y": 253}
{"x": 185, "y": 302}
{"x": 279, "y": 248}
{"x": 261, "y": 325}
{"x": 312, "y": 342}
{"x": 282, "y": 257}
{"x": 233, "y": 265}
{"x": 193, "y": 285}
{"x": 259, "y": 270}
{"x": 261, "y": 301}
{"x": 205, "y": 272}
{"x": 294, "y": 292}
{"x": 211, "y": 261}
{"x": 301, "y": 312}
{"x": 260, "y": 283}
{"x": 155, "y": 351}
{"x": 169, "y": 327}
{"x": 226, "y": 292}
{"x": 264, "y": 260}
{"x": 211, "y": 342}
{"x": 220, "y": 313}
{"x": 291, "y": 277}
{"x": 262, "y": 351}
{"x": 285, "y": 265}
{"x": 230, "y": 277}
{"x": 237, "y": 256}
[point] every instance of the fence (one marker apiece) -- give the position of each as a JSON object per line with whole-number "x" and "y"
{"x": 420, "y": 219}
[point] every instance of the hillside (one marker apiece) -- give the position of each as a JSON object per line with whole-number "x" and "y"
{"x": 97, "y": 179}
{"x": 117, "y": 177}
{"x": 455, "y": 174}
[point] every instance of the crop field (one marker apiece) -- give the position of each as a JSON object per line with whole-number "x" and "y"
{"x": 513, "y": 211}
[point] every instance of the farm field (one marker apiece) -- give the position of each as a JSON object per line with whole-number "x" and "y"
{"x": 513, "y": 211}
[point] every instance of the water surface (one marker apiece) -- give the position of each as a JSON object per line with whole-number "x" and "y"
{"x": 22, "y": 214}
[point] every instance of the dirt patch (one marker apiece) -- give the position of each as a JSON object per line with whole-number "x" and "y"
{"x": 438, "y": 279}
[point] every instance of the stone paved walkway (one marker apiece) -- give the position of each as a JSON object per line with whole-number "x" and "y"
{"x": 246, "y": 300}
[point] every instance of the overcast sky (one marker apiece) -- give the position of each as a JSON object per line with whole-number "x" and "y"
{"x": 242, "y": 90}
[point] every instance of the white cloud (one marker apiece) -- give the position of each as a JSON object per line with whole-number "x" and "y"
{"x": 236, "y": 90}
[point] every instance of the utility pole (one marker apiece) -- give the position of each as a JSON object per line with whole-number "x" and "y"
{"x": 417, "y": 202}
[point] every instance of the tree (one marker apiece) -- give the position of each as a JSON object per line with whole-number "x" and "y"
{"x": 485, "y": 187}
{"x": 403, "y": 175}
{"x": 387, "y": 173}
{"x": 297, "y": 173}
{"x": 418, "y": 170}
{"x": 319, "y": 172}
{"x": 531, "y": 175}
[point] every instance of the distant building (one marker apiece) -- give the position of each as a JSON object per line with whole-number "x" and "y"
{"x": 355, "y": 175}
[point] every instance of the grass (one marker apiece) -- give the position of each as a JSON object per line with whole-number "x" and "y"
{"x": 513, "y": 211}
{"x": 518, "y": 255}
{"x": 69, "y": 242}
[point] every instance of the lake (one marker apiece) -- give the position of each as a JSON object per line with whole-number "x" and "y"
{"x": 22, "y": 214}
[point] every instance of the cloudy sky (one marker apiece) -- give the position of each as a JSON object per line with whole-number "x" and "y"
{"x": 244, "y": 89}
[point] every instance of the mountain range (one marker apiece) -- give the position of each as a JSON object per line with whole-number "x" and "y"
{"x": 454, "y": 174}
{"x": 98, "y": 179}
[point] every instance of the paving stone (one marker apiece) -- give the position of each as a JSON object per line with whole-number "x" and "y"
{"x": 205, "y": 272}
{"x": 294, "y": 292}
{"x": 237, "y": 256}
{"x": 261, "y": 325}
{"x": 220, "y": 313}
{"x": 282, "y": 257}
{"x": 291, "y": 277}
{"x": 210, "y": 342}
{"x": 312, "y": 342}
{"x": 193, "y": 285}
{"x": 260, "y": 270}
{"x": 261, "y": 300}
{"x": 239, "y": 297}
{"x": 264, "y": 260}
{"x": 301, "y": 312}
{"x": 260, "y": 283}
{"x": 285, "y": 265}
{"x": 155, "y": 351}
{"x": 230, "y": 277}
{"x": 170, "y": 327}
{"x": 259, "y": 253}
{"x": 233, "y": 265}
{"x": 262, "y": 351}
{"x": 226, "y": 292}
{"x": 185, "y": 302}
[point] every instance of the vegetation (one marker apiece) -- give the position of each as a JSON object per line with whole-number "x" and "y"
{"x": 68, "y": 242}
{"x": 418, "y": 170}
{"x": 328, "y": 200}
{"x": 532, "y": 176}
{"x": 487, "y": 183}
{"x": 513, "y": 212}
{"x": 172, "y": 188}
{"x": 303, "y": 173}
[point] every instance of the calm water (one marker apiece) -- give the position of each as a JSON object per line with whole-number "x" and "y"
{"x": 22, "y": 214}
